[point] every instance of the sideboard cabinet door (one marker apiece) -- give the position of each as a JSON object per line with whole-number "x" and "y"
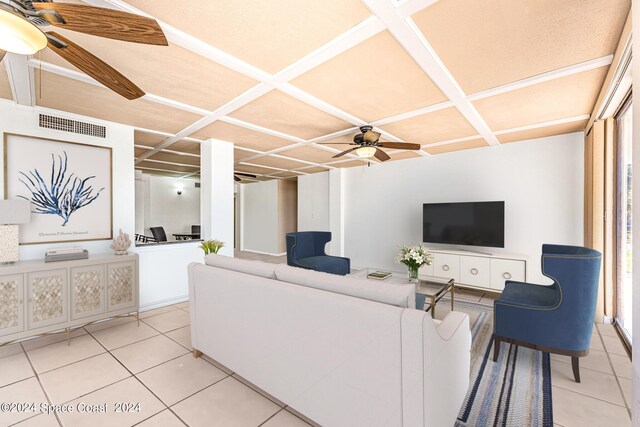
{"x": 121, "y": 286}
{"x": 48, "y": 299}
{"x": 11, "y": 304}
{"x": 87, "y": 291}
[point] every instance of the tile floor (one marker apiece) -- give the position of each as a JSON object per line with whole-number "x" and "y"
{"x": 151, "y": 364}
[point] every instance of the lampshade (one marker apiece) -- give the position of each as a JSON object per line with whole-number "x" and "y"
{"x": 366, "y": 152}
{"x": 20, "y": 36}
{"x": 15, "y": 212}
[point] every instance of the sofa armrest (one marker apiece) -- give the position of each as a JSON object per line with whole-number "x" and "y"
{"x": 451, "y": 323}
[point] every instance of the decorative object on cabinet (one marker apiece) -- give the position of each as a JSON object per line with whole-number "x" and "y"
{"x": 40, "y": 299}
{"x": 121, "y": 243}
{"x": 69, "y": 186}
{"x": 414, "y": 257}
{"x": 211, "y": 246}
{"x": 12, "y": 213}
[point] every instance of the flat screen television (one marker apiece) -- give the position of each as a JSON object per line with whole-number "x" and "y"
{"x": 468, "y": 223}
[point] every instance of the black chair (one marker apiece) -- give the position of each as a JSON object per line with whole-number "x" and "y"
{"x": 159, "y": 234}
{"x": 195, "y": 230}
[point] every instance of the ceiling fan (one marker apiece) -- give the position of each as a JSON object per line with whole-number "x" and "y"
{"x": 20, "y": 32}
{"x": 368, "y": 145}
{"x": 237, "y": 176}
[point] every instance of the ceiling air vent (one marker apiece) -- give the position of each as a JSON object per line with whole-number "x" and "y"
{"x": 74, "y": 126}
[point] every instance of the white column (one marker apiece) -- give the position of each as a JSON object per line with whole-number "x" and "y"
{"x": 635, "y": 400}
{"x": 216, "y": 193}
{"x": 336, "y": 211}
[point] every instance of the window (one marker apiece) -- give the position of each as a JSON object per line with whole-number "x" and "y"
{"x": 624, "y": 166}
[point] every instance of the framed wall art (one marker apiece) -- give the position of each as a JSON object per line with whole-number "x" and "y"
{"x": 69, "y": 186}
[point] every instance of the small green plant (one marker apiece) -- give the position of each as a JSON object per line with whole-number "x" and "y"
{"x": 211, "y": 246}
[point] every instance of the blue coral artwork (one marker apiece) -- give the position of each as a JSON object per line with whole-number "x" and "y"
{"x": 68, "y": 184}
{"x": 63, "y": 195}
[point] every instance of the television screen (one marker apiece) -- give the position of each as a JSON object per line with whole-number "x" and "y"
{"x": 469, "y": 223}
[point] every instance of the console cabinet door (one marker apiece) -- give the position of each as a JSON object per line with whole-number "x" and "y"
{"x": 48, "y": 299}
{"x": 506, "y": 269}
{"x": 475, "y": 271}
{"x": 11, "y": 304}
{"x": 87, "y": 291}
{"x": 446, "y": 265}
{"x": 122, "y": 291}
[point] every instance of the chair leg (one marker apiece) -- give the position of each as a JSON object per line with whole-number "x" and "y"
{"x": 575, "y": 364}
{"x": 496, "y": 348}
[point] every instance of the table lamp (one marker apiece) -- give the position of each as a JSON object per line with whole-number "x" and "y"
{"x": 12, "y": 213}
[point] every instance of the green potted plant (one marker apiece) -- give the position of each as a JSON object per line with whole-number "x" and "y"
{"x": 211, "y": 246}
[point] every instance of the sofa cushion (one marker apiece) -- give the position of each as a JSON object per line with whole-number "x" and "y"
{"x": 401, "y": 295}
{"x": 257, "y": 268}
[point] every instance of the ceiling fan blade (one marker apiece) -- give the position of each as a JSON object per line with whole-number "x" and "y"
{"x": 381, "y": 155}
{"x": 102, "y": 22}
{"x": 345, "y": 152}
{"x": 235, "y": 178}
{"x": 400, "y": 145}
{"x": 95, "y": 67}
{"x": 245, "y": 174}
{"x": 371, "y": 136}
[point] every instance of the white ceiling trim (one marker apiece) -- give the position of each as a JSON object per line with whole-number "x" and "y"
{"x": 21, "y": 79}
{"x": 262, "y": 166}
{"x": 247, "y": 125}
{"x": 545, "y": 124}
{"x": 173, "y": 163}
{"x": 414, "y": 113}
{"x": 545, "y": 77}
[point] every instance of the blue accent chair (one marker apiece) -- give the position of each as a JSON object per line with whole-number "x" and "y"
{"x": 557, "y": 318}
{"x": 305, "y": 249}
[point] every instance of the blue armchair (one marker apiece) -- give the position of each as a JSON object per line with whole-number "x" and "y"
{"x": 305, "y": 249}
{"x": 557, "y": 318}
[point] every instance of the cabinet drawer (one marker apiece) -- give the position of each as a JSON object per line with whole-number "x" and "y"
{"x": 506, "y": 269}
{"x": 11, "y": 304}
{"x": 475, "y": 271}
{"x": 48, "y": 299}
{"x": 446, "y": 265}
{"x": 87, "y": 291}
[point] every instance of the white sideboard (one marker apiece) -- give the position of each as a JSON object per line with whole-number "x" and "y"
{"x": 38, "y": 297}
{"x": 477, "y": 270}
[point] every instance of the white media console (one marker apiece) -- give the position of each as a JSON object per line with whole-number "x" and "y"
{"x": 477, "y": 270}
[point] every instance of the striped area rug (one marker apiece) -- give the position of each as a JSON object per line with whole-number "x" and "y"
{"x": 514, "y": 391}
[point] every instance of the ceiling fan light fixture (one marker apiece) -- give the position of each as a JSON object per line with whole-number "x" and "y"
{"x": 366, "y": 152}
{"x": 17, "y": 35}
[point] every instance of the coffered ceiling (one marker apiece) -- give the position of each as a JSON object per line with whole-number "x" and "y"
{"x": 278, "y": 80}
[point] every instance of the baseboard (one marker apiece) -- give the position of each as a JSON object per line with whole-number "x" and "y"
{"x": 164, "y": 303}
{"x": 263, "y": 253}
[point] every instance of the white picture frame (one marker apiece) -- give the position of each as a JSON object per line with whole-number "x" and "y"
{"x": 68, "y": 184}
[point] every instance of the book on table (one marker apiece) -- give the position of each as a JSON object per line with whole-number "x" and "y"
{"x": 379, "y": 275}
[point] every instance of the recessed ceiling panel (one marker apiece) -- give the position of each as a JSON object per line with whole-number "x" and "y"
{"x": 287, "y": 174}
{"x": 314, "y": 170}
{"x": 5, "y": 88}
{"x": 373, "y": 80}
{"x": 404, "y": 155}
{"x": 168, "y": 71}
{"x": 277, "y": 162}
{"x": 166, "y": 167}
{"x": 73, "y": 96}
{"x": 147, "y": 139}
{"x": 457, "y": 146}
{"x": 240, "y": 167}
{"x": 489, "y": 43}
{"x": 311, "y": 154}
{"x": 155, "y": 172}
{"x": 139, "y": 151}
{"x": 266, "y": 34}
{"x": 433, "y": 127}
{"x": 241, "y": 154}
{"x": 283, "y": 113}
{"x": 350, "y": 164}
{"x": 176, "y": 158}
{"x": 561, "y": 98}
{"x": 241, "y": 136}
{"x": 185, "y": 147}
{"x": 543, "y": 132}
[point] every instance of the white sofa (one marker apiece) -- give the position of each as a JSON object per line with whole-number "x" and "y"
{"x": 342, "y": 351}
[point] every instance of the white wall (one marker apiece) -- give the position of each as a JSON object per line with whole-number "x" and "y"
{"x": 635, "y": 405}
{"x": 313, "y": 202}
{"x": 176, "y": 213}
{"x": 541, "y": 182}
{"x": 260, "y": 216}
{"x": 24, "y": 121}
